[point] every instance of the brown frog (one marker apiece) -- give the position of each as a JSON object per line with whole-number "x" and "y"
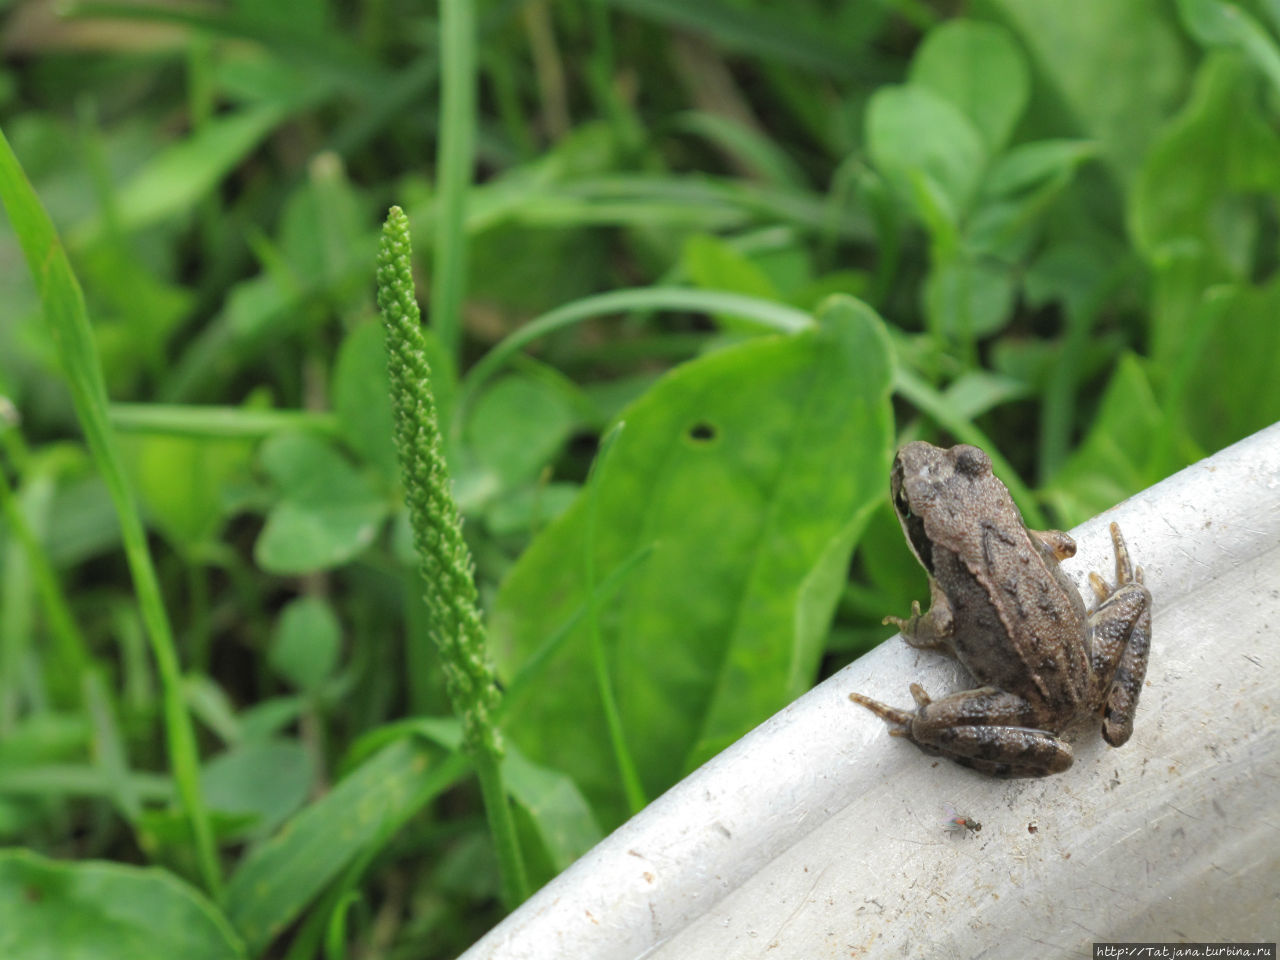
{"x": 1002, "y": 606}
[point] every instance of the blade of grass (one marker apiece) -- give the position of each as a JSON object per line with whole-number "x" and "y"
{"x": 603, "y": 590}
{"x": 69, "y": 330}
{"x": 329, "y": 54}
{"x": 768, "y": 36}
{"x": 346, "y": 826}
{"x": 782, "y": 318}
{"x": 109, "y": 749}
{"x": 613, "y": 718}
{"x": 306, "y": 944}
{"x": 216, "y": 422}
{"x": 16, "y": 617}
{"x": 648, "y": 198}
{"x": 70, "y": 652}
{"x": 759, "y": 154}
{"x": 628, "y": 130}
{"x": 454, "y": 160}
{"x": 80, "y": 780}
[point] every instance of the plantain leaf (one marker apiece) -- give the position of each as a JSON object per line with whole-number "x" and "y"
{"x": 105, "y": 911}
{"x": 752, "y": 471}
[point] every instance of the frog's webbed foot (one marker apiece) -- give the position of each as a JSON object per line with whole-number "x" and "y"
{"x": 986, "y": 729}
{"x": 1121, "y": 643}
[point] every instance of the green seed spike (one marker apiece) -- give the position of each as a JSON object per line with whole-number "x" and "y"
{"x": 445, "y": 561}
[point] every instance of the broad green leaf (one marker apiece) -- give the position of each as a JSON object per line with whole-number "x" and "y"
{"x": 518, "y": 425}
{"x": 892, "y": 574}
{"x": 82, "y": 524}
{"x": 851, "y": 283}
{"x": 1227, "y": 24}
{"x": 327, "y": 512}
{"x": 179, "y": 176}
{"x": 713, "y": 264}
{"x": 264, "y": 780}
{"x": 968, "y": 298}
{"x": 529, "y": 508}
{"x": 750, "y": 471}
{"x": 1230, "y": 388}
{"x": 1192, "y": 216}
{"x": 105, "y": 911}
{"x": 278, "y": 879}
{"x": 978, "y": 68}
{"x": 304, "y": 649}
{"x": 1068, "y": 273}
{"x": 321, "y": 231}
{"x": 975, "y": 392}
{"x": 912, "y": 131}
{"x": 1118, "y": 67}
{"x": 1120, "y": 454}
{"x": 268, "y": 717}
{"x": 362, "y": 397}
{"x": 1220, "y": 146}
{"x": 182, "y": 481}
{"x": 1029, "y": 166}
{"x": 1005, "y": 231}
{"x": 557, "y": 815}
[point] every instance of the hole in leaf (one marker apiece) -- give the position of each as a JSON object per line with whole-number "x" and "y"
{"x": 702, "y": 432}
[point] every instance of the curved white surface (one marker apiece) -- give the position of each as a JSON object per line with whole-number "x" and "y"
{"x": 818, "y": 835}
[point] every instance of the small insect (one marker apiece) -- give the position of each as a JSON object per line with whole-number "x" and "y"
{"x": 957, "y": 823}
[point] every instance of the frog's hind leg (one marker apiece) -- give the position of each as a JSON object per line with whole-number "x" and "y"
{"x": 985, "y": 729}
{"x": 991, "y": 731}
{"x": 1121, "y": 644}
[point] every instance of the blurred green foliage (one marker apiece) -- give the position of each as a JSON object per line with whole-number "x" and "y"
{"x": 1060, "y": 225}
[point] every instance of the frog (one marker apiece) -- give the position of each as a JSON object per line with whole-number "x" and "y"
{"x": 1003, "y": 607}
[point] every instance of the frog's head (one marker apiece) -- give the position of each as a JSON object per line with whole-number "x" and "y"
{"x": 927, "y": 482}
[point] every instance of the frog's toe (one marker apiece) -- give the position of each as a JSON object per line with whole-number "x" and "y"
{"x": 899, "y": 720}
{"x": 1124, "y": 565}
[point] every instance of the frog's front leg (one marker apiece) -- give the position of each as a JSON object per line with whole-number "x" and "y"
{"x": 932, "y": 630}
{"x": 986, "y": 729}
{"x": 1121, "y": 627}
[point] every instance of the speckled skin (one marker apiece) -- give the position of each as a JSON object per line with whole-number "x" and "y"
{"x": 1002, "y": 606}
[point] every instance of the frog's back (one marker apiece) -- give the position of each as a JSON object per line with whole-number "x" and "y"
{"x": 1020, "y": 624}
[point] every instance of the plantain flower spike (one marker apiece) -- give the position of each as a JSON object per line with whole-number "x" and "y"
{"x": 444, "y": 559}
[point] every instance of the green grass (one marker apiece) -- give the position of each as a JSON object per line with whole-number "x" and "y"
{"x": 753, "y": 250}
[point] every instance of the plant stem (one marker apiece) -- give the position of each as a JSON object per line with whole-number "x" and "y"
{"x": 454, "y": 161}
{"x": 444, "y": 558}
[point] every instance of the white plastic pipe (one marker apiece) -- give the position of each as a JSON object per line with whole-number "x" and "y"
{"x": 818, "y": 835}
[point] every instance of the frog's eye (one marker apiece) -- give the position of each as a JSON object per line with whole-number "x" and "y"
{"x": 902, "y": 503}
